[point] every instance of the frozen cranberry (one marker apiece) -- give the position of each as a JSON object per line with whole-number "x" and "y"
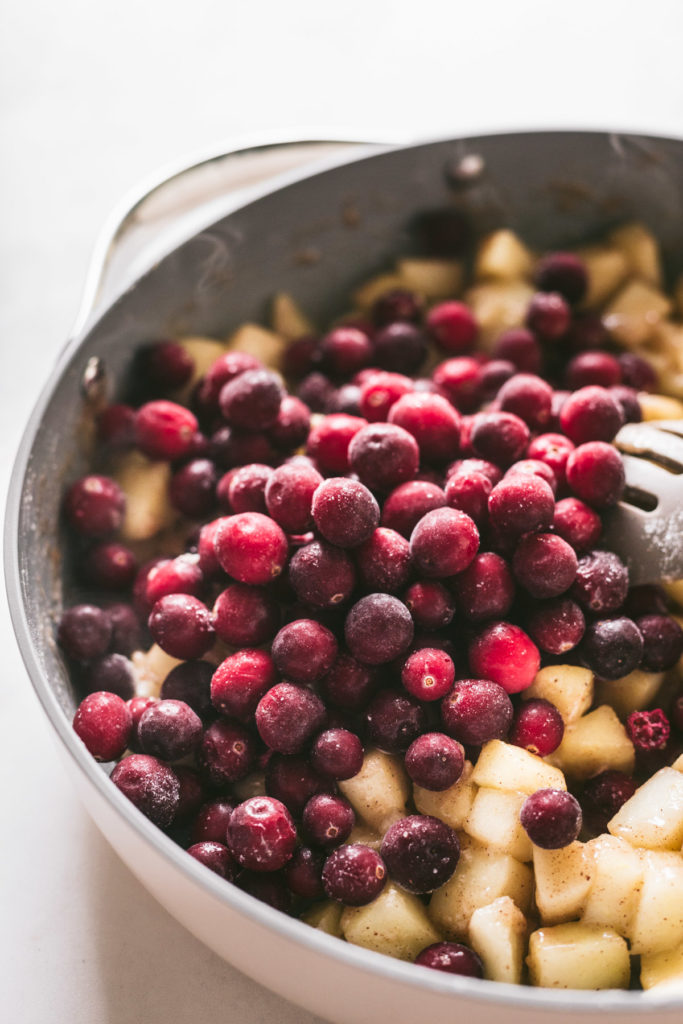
{"x": 519, "y": 346}
{"x": 384, "y": 561}
{"x": 113, "y": 673}
{"x": 116, "y": 426}
{"x": 577, "y": 523}
{"x": 230, "y": 447}
{"x": 384, "y": 455}
{"x": 190, "y": 682}
{"x": 247, "y": 487}
{"x": 591, "y": 414}
{"x": 322, "y": 575}
{"x": 538, "y": 727}
{"x": 521, "y": 504}
{"x": 601, "y": 582}
{"x": 216, "y": 857}
{"x": 494, "y": 374}
{"x": 337, "y": 754}
{"x": 180, "y": 575}
{"x": 245, "y": 616}
{"x": 548, "y": 315}
{"x": 485, "y": 590}
{"x": 554, "y": 450}
{"x": 304, "y": 651}
{"x": 434, "y": 761}
{"x": 206, "y": 553}
{"x": 292, "y": 425}
{"x": 602, "y": 797}
{"x": 380, "y": 392}
{"x": 400, "y": 348}
{"x": 150, "y": 785}
{"x": 345, "y": 512}
{"x": 137, "y": 707}
{"x": 261, "y": 834}
{"x": 182, "y": 626}
{"x": 224, "y": 369}
{"x": 544, "y": 564}
{"x": 126, "y": 631}
{"x": 300, "y": 356}
{"x": 557, "y": 626}
{"x": 329, "y": 440}
{"x": 430, "y": 604}
{"x": 443, "y": 543}
{"x": 287, "y": 716}
{"x": 595, "y": 473}
{"x": 428, "y": 674}
{"x": 240, "y": 681}
{"x": 110, "y": 566}
{"x": 459, "y": 379}
{"x": 349, "y": 684}
{"x": 84, "y": 632}
{"x": 164, "y": 430}
{"x": 476, "y": 711}
{"x": 592, "y": 368}
{"x": 193, "y": 488}
{"x": 378, "y": 628}
{"x": 316, "y": 391}
{"x": 559, "y": 400}
{"x": 394, "y": 720}
{"x": 251, "y": 547}
{"x": 452, "y": 326}
{"x": 345, "y": 350}
{"x": 420, "y": 852}
{"x": 527, "y": 397}
{"x": 648, "y": 730}
{"x": 94, "y": 506}
{"x": 328, "y": 820}
{"x": 345, "y": 399}
{"x": 433, "y": 422}
{"x": 289, "y": 496}
{"x": 354, "y": 875}
{"x": 662, "y": 642}
{"x": 562, "y": 272}
{"x": 453, "y": 958}
{"x": 226, "y": 753}
{"x": 551, "y": 818}
{"x": 627, "y": 399}
{"x": 612, "y": 647}
{"x": 637, "y": 372}
{"x": 304, "y": 871}
{"x": 534, "y": 467}
{"x": 251, "y": 401}
{"x": 504, "y": 653}
{"x": 293, "y": 781}
{"x": 104, "y": 723}
{"x": 468, "y": 491}
{"x": 191, "y": 794}
{"x": 397, "y": 304}
{"x": 499, "y": 436}
{"x": 408, "y": 503}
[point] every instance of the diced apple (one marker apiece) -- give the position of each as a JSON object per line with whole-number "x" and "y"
{"x": 452, "y": 805}
{"x": 326, "y": 917}
{"x": 501, "y": 764}
{"x": 503, "y": 257}
{"x": 653, "y": 817}
{"x": 635, "y": 312}
{"x": 640, "y": 250}
{"x": 607, "y": 270}
{"x": 435, "y": 279}
{"x": 497, "y": 933}
{"x": 568, "y": 687}
{"x": 361, "y": 833}
{"x": 594, "y": 743}
{"x": 204, "y": 352}
{"x": 563, "y": 879}
{"x": 368, "y": 293}
{"x": 678, "y": 763}
{"x": 630, "y": 693}
{"x": 617, "y": 873}
{"x": 659, "y": 407}
{"x": 494, "y": 821}
{"x": 578, "y": 955}
{"x": 498, "y": 305}
{"x": 379, "y": 791}
{"x": 151, "y": 668}
{"x": 259, "y": 342}
{"x": 145, "y": 484}
{"x": 288, "y": 319}
{"x": 657, "y": 923}
{"x": 395, "y": 923}
{"x": 663, "y": 970}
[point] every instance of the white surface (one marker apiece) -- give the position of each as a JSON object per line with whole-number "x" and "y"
{"x": 96, "y": 95}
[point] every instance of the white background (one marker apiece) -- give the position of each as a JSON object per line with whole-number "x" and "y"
{"x": 96, "y": 94}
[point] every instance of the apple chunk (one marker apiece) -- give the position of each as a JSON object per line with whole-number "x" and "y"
{"x": 498, "y": 934}
{"x": 145, "y": 484}
{"x": 502, "y": 764}
{"x": 630, "y": 693}
{"x": 259, "y": 342}
{"x": 635, "y": 312}
{"x": 502, "y": 256}
{"x": 663, "y": 970}
{"x": 594, "y": 743}
{"x": 395, "y": 923}
{"x": 653, "y": 816}
{"x": 657, "y": 924}
{"x": 640, "y": 250}
{"x": 325, "y": 916}
{"x": 288, "y": 319}
{"x": 617, "y": 879}
{"x": 563, "y": 880}
{"x": 452, "y": 805}
{"x": 379, "y": 791}
{"x": 435, "y": 279}
{"x": 498, "y": 305}
{"x": 578, "y": 955}
{"x": 494, "y": 821}
{"x": 568, "y": 687}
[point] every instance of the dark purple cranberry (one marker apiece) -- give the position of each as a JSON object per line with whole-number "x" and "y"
{"x": 193, "y": 488}
{"x": 554, "y": 450}
{"x": 226, "y": 753}
{"x": 337, "y": 754}
{"x": 378, "y": 628}
{"x": 329, "y": 440}
{"x": 534, "y": 467}
{"x": 292, "y": 425}
{"x": 304, "y": 873}
{"x": 239, "y": 682}
{"x": 349, "y": 684}
{"x": 182, "y": 626}
{"x": 225, "y": 368}
{"x": 577, "y": 523}
{"x": 420, "y": 852}
{"x": 430, "y": 604}
{"x": 459, "y": 379}
{"x": 528, "y": 397}
{"x": 289, "y": 496}
{"x": 452, "y": 326}
{"x": 245, "y": 616}
{"x": 94, "y": 506}
{"x": 261, "y": 834}
{"x": 191, "y": 794}
{"x": 637, "y": 372}
{"x": 384, "y": 561}
{"x": 180, "y": 575}
{"x": 328, "y": 820}
{"x": 103, "y": 722}
{"x": 486, "y": 589}
{"x": 345, "y": 512}
{"x": 150, "y": 785}
{"x": 110, "y": 566}
{"x": 116, "y": 427}
{"x": 557, "y": 626}
{"x": 288, "y": 716}
{"x": 592, "y": 368}
{"x": 521, "y": 504}
{"x": 591, "y": 414}
{"x": 500, "y": 437}
{"x": 322, "y": 575}
{"x": 304, "y": 651}
{"x": 662, "y": 642}
{"x": 206, "y": 552}
{"x": 113, "y": 673}
{"x": 384, "y": 456}
{"x": 316, "y": 391}
{"x": 215, "y": 857}
{"x": 548, "y": 315}
{"x": 494, "y": 374}
{"x": 189, "y": 682}
{"x": 520, "y": 347}
{"x": 602, "y": 797}
{"x": 293, "y": 781}
{"x": 434, "y": 761}
{"x": 405, "y": 506}
{"x": 444, "y": 543}
{"x": 400, "y": 348}
{"x": 379, "y": 391}
{"x": 167, "y": 364}
{"x": 84, "y": 632}
{"x": 551, "y": 818}
{"x": 476, "y": 711}
{"x": 251, "y": 547}
{"x": 251, "y": 401}
{"x": 345, "y": 399}
{"x": 648, "y": 730}
{"x": 126, "y": 631}
{"x": 398, "y": 304}
{"x": 433, "y": 422}
{"x": 586, "y": 332}
{"x": 169, "y": 730}
{"x": 354, "y": 875}
{"x": 612, "y": 647}
{"x": 300, "y": 356}
{"x": 453, "y": 958}
{"x": 164, "y": 430}
{"x": 504, "y": 653}
{"x": 230, "y": 447}
{"x": 247, "y": 487}
{"x": 538, "y": 727}
{"x": 544, "y": 564}
{"x": 394, "y": 720}
{"x": 428, "y": 674}
{"x": 601, "y": 582}
{"x": 562, "y": 272}
{"x": 345, "y": 350}
{"x": 627, "y": 399}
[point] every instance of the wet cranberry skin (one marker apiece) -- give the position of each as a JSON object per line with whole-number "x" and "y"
{"x": 452, "y": 958}
{"x": 551, "y": 818}
{"x": 408, "y": 503}
{"x": 322, "y": 575}
{"x": 521, "y": 504}
{"x": 103, "y": 722}
{"x": 164, "y": 430}
{"x": 435, "y": 761}
{"x": 292, "y": 425}
{"x": 304, "y": 651}
{"x": 216, "y": 857}
{"x": 452, "y": 327}
{"x": 428, "y": 674}
{"x": 329, "y": 440}
{"x": 289, "y": 496}
{"x": 602, "y": 797}
{"x": 528, "y": 397}
{"x": 577, "y": 523}
{"x": 486, "y": 589}
{"x": 444, "y": 543}
{"x": 245, "y": 616}
{"x": 420, "y": 852}
{"x": 345, "y": 512}
{"x": 182, "y": 626}
{"x": 169, "y": 730}
{"x": 327, "y": 820}
{"x": 384, "y": 561}
{"x": 591, "y": 414}
{"x": 430, "y": 604}
{"x": 354, "y": 875}
{"x": 562, "y": 272}
{"x": 261, "y": 834}
{"x": 544, "y": 564}
{"x": 337, "y": 754}
{"x": 662, "y": 642}
{"x": 384, "y": 456}
{"x": 226, "y": 753}
{"x": 557, "y": 626}
{"x": 500, "y": 437}
{"x": 538, "y": 727}
{"x": 433, "y": 422}
{"x": 150, "y": 785}
{"x": 378, "y": 628}
{"x": 612, "y": 647}
{"x": 251, "y": 401}
{"x": 476, "y": 711}
{"x": 520, "y": 347}
{"x": 110, "y": 566}
{"x": 394, "y": 720}
{"x": 94, "y": 506}
{"x": 601, "y": 582}
{"x": 548, "y": 315}
{"x": 84, "y": 632}
{"x": 504, "y": 653}
{"x": 288, "y": 716}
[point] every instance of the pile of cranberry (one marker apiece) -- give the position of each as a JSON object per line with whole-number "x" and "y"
{"x": 388, "y": 558}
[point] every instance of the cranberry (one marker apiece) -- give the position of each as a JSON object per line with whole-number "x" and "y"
{"x": 420, "y": 852}
{"x": 601, "y": 582}
{"x": 322, "y": 575}
{"x": 486, "y": 589}
{"x": 627, "y": 399}
{"x": 428, "y": 674}
{"x": 593, "y": 368}
{"x": 337, "y": 754}
{"x": 384, "y": 455}
{"x": 211, "y": 822}
{"x": 116, "y": 427}
{"x": 345, "y": 399}
{"x": 452, "y": 327}
{"x": 345, "y": 350}
{"x": 304, "y": 871}
{"x": 504, "y": 653}
{"x": 577, "y": 523}
{"x": 557, "y": 626}
{"x": 534, "y": 467}
{"x": 396, "y": 304}
{"x": 476, "y": 711}
{"x": 380, "y": 392}
{"x": 527, "y": 397}
{"x": 559, "y": 400}
{"x": 113, "y": 673}
{"x": 647, "y": 599}
{"x": 190, "y": 682}
{"x": 586, "y": 332}
{"x": 433, "y": 422}
{"x": 251, "y": 401}
{"x": 595, "y": 473}
{"x": 84, "y": 632}
{"x": 261, "y": 834}
{"x": 562, "y": 272}
{"x": 104, "y": 723}
{"x": 182, "y": 626}
{"x": 648, "y": 730}
{"x": 554, "y": 450}
{"x": 293, "y": 781}
{"x": 349, "y": 684}
{"x": 240, "y": 681}
{"x": 384, "y": 561}
{"x": 521, "y": 504}
{"x": 637, "y": 372}
{"x": 224, "y": 369}
{"x": 662, "y": 642}
{"x": 602, "y": 797}
{"x": 354, "y": 875}
{"x": 494, "y": 374}
{"x": 408, "y": 503}
{"x": 289, "y": 496}
{"x": 443, "y": 543}
{"x": 538, "y": 727}
{"x": 287, "y": 716}
{"x": 292, "y": 425}
{"x": 300, "y": 356}
{"x": 591, "y": 414}
{"x": 345, "y": 512}
{"x": 316, "y": 391}
{"x": 246, "y": 488}
{"x": 137, "y": 707}
{"x": 304, "y": 650}
{"x": 469, "y": 492}
{"x": 94, "y": 506}
{"x": 216, "y": 857}
{"x": 251, "y": 547}
{"x": 164, "y": 430}
{"x": 126, "y": 632}
{"x": 193, "y": 488}
{"x": 180, "y": 575}
{"x": 226, "y": 753}
{"x": 459, "y": 379}
{"x": 453, "y": 958}
{"x": 110, "y": 566}
{"x": 612, "y": 647}
{"x": 434, "y": 761}
{"x": 378, "y": 628}
{"x": 206, "y": 553}
{"x": 150, "y": 785}
{"x": 548, "y": 315}
{"x": 430, "y": 604}
{"x": 520, "y": 347}
{"x": 230, "y": 447}
{"x": 245, "y": 616}
{"x": 551, "y": 818}
{"x": 400, "y": 348}
{"x": 329, "y": 440}
{"x": 544, "y": 564}
{"x": 394, "y": 720}
{"x": 191, "y": 794}
{"x": 169, "y": 729}
{"x": 328, "y": 820}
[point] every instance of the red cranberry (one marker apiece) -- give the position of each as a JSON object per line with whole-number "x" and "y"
{"x": 164, "y": 430}
{"x": 230, "y": 447}
{"x": 662, "y": 642}
{"x": 349, "y": 684}
{"x": 240, "y": 681}
{"x": 126, "y": 631}
{"x": 380, "y": 392}
{"x": 110, "y": 566}
{"x": 408, "y": 503}
{"x": 267, "y": 887}
{"x": 137, "y": 707}
{"x": 182, "y": 626}
{"x": 303, "y": 873}
{"x": 602, "y": 797}
{"x": 538, "y": 727}
{"x": 551, "y": 818}
{"x": 293, "y": 781}
{"x": 586, "y": 332}
{"x": 329, "y": 440}
{"x": 443, "y": 543}
{"x": 504, "y": 653}
{"x": 337, "y": 754}
{"x": 169, "y": 730}
{"x": 544, "y": 564}
{"x": 562, "y": 272}
{"x": 94, "y": 506}
{"x": 216, "y": 857}
{"x": 304, "y": 651}
{"x": 400, "y": 348}
{"x": 193, "y": 488}
{"x": 452, "y": 327}
{"x": 648, "y": 730}
{"x": 577, "y": 523}
{"x": 591, "y": 414}
{"x": 420, "y": 852}
{"x": 601, "y": 582}
{"x": 289, "y": 496}
{"x": 378, "y": 628}
{"x": 612, "y": 647}
{"x": 328, "y": 820}
{"x": 559, "y": 400}
{"x": 520, "y": 347}
{"x": 534, "y": 467}
{"x": 384, "y": 455}
{"x": 499, "y": 436}
{"x": 433, "y": 422}
{"x": 430, "y": 604}
{"x": 322, "y": 575}
{"x": 191, "y": 794}
{"x": 595, "y": 473}
{"x": 246, "y": 488}
{"x": 261, "y": 834}
{"x": 396, "y": 304}
{"x": 345, "y": 350}
{"x": 190, "y": 682}
{"x": 592, "y": 368}
{"x": 226, "y": 753}
{"x": 521, "y": 504}
{"x": 180, "y": 575}
{"x": 548, "y": 315}
{"x": 428, "y": 674}
{"x": 292, "y": 425}
{"x": 316, "y": 391}
{"x": 476, "y": 711}
{"x": 554, "y": 450}
{"x": 251, "y": 401}
{"x": 345, "y": 512}
{"x": 150, "y": 785}
{"x": 113, "y": 673}
{"x": 354, "y": 875}
{"x": 434, "y": 761}
{"x": 245, "y": 616}
{"x": 557, "y": 626}
{"x": 84, "y": 632}
{"x": 287, "y": 716}
{"x": 468, "y": 491}
{"x": 251, "y": 547}
{"x": 637, "y": 372}
{"x": 300, "y": 356}
{"x": 394, "y": 720}
{"x": 345, "y": 399}
{"x": 528, "y": 397}
{"x": 627, "y": 399}
{"x": 453, "y": 958}
{"x": 459, "y": 379}
{"x": 486, "y": 589}
{"x": 224, "y": 369}
{"x": 104, "y": 724}
{"x": 384, "y": 561}
{"x": 494, "y": 374}
{"x": 116, "y": 426}
{"x": 206, "y": 553}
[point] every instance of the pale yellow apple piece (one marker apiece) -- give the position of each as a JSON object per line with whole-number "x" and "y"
{"x": 482, "y": 876}
{"x": 204, "y": 352}
{"x": 563, "y": 879}
{"x": 452, "y": 805}
{"x": 379, "y": 791}
{"x": 634, "y": 313}
{"x": 288, "y": 319}
{"x": 395, "y": 923}
{"x": 678, "y": 763}
{"x": 366, "y": 296}
{"x": 607, "y": 270}
{"x": 568, "y": 687}
{"x": 657, "y": 923}
{"x": 502, "y": 256}
{"x": 663, "y": 970}
{"x": 659, "y": 407}
{"x": 259, "y": 342}
{"x": 494, "y": 821}
{"x": 594, "y": 743}
{"x": 435, "y": 279}
{"x": 361, "y": 833}
{"x": 653, "y": 817}
{"x": 151, "y": 668}
{"x": 640, "y": 250}
{"x": 497, "y": 306}
{"x": 617, "y": 878}
{"x": 145, "y": 484}
{"x": 326, "y": 917}
{"x": 578, "y": 955}
{"x": 497, "y": 933}
{"x": 630, "y": 693}
{"x": 501, "y": 765}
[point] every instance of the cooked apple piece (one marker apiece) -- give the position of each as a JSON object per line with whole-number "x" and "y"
{"x": 326, "y": 917}
{"x": 452, "y": 805}
{"x": 594, "y": 743}
{"x": 259, "y": 342}
{"x": 494, "y": 821}
{"x": 395, "y": 923}
{"x": 501, "y": 764}
{"x": 435, "y": 279}
{"x": 657, "y": 923}
{"x": 578, "y": 955}
{"x": 366, "y": 296}
{"x": 204, "y": 352}
{"x": 497, "y": 933}
{"x": 498, "y": 305}
{"x": 660, "y": 407}
{"x": 617, "y": 878}
{"x": 482, "y": 876}
{"x": 502, "y": 256}
{"x": 630, "y": 693}
{"x": 361, "y": 833}
{"x": 640, "y": 250}
{"x": 678, "y": 763}
{"x": 288, "y": 319}
{"x": 653, "y": 817}
{"x": 607, "y": 270}
{"x": 635, "y": 312}
{"x": 568, "y": 687}
{"x": 379, "y": 791}
{"x": 663, "y": 970}
{"x": 563, "y": 879}
{"x": 145, "y": 484}
{"x": 151, "y": 668}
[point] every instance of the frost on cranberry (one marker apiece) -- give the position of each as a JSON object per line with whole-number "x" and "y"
{"x": 443, "y": 543}
{"x": 521, "y": 504}
{"x": 226, "y": 753}
{"x": 601, "y": 582}
{"x": 251, "y": 548}
{"x": 214, "y": 856}
{"x": 384, "y": 561}
{"x": 476, "y": 711}
{"x": 435, "y": 761}
{"x": 433, "y": 422}
{"x": 104, "y": 724}
{"x": 595, "y": 473}
{"x": 287, "y": 716}
{"x": 554, "y": 450}
{"x": 378, "y": 628}
{"x": 430, "y": 604}
{"x": 428, "y": 674}
{"x": 251, "y": 401}
{"x": 486, "y": 589}
{"x": 345, "y": 512}
{"x": 538, "y": 727}
{"x": 420, "y": 852}
{"x": 577, "y": 523}
{"x": 150, "y": 785}
{"x": 337, "y": 754}
{"x": 556, "y": 626}
{"x": 500, "y": 437}
{"x": 384, "y": 456}
{"x": 528, "y": 397}
{"x": 289, "y": 496}
{"x": 662, "y": 642}
{"x": 304, "y": 651}
{"x": 591, "y": 414}
{"x": 394, "y": 720}
{"x": 354, "y": 875}
{"x": 612, "y": 647}
{"x": 468, "y": 491}
{"x": 182, "y": 626}
{"x": 169, "y": 730}
{"x": 322, "y": 575}
{"x": 551, "y": 818}
{"x": 94, "y": 506}
{"x": 405, "y": 506}
{"x": 245, "y": 616}
{"x": 504, "y": 653}
{"x": 544, "y": 564}
{"x": 261, "y": 834}
{"x": 164, "y": 430}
